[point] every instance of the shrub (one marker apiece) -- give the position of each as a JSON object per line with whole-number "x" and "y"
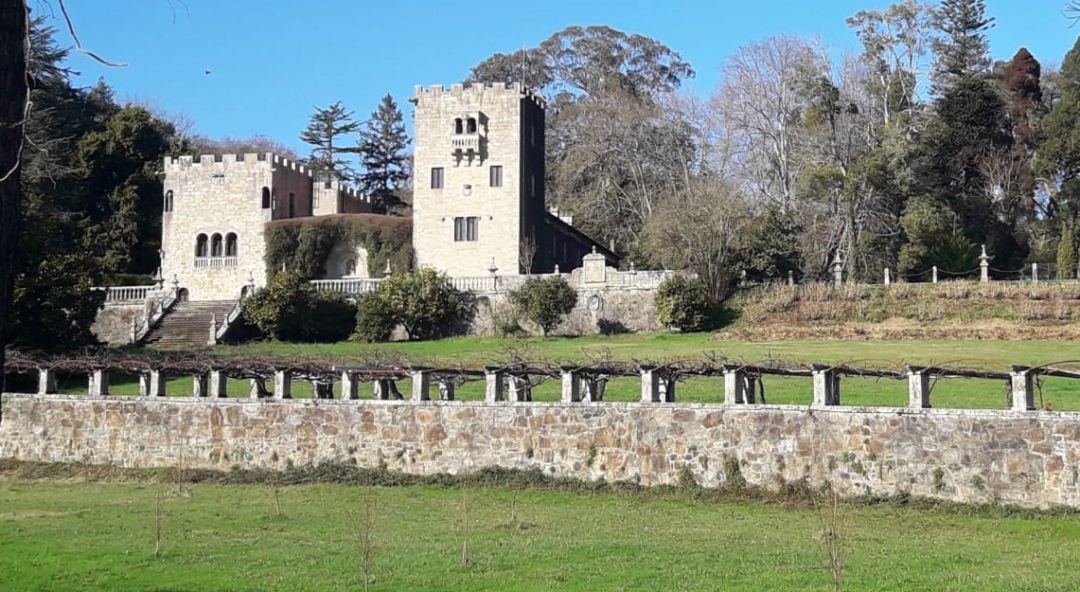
{"x": 682, "y": 303}
{"x": 374, "y": 320}
{"x": 425, "y": 304}
{"x": 289, "y": 309}
{"x": 544, "y": 301}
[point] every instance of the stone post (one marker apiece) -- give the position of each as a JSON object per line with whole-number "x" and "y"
{"x": 151, "y": 384}
{"x": 493, "y": 387}
{"x": 421, "y": 386}
{"x": 200, "y": 385}
{"x": 134, "y": 330}
{"x": 571, "y": 385}
{"x": 99, "y": 383}
{"x": 888, "y": 279}
{"x": 837, "y": 270}
{"x": 1034, "y": 273}
{"x": 667, "y": 390}
{"x": 918, "y": 388}
{"x": 219, "y": 384}
{"x": 650, "y": 385}
{"x": 933, "y": 274}
{"x": 212, "y": 340}
{"x": 282, "y": 384}
{"x": 446, "y": 389}
{"x": 738, "y": 389}
{"x": 826, "y": 386}
{"x": 1023, "y": 389}
{"x": 520, "y": 388}
{"x": 790, "y": 278}
{"x": 350, "y": 388}
{"x": 984, "y": 266}
{"x": 46, "y": 381}
{"x": 253, "y": 390}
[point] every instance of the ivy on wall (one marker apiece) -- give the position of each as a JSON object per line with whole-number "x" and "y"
{"x": 303, "y": 245}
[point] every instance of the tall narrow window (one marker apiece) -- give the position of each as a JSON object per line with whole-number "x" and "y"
{"x": 230, "y": 244}
{"x": 471, "y": 228}
{"x": 201, "y": 246}
{"x": 496, "y": 176}
{"x": 215, "y": 245}
{"x": 266, "y": 198}
{"x": 437, "y": 178}
{"x": 470, "y": 126}
{"x": 459, "y": 229}
{"x": 168, "y": 200}
{"x": 532, "y": 185}
{"x": 292, "y": 205}
{"x": 273, "y": 200}
{"x": 458, "y": 128}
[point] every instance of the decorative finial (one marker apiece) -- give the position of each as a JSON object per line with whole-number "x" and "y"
{"x": 493, "y": 268}
{"x": 388, "y": 270}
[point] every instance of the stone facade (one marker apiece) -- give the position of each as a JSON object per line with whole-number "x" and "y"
{"x": 1030, "y": 459}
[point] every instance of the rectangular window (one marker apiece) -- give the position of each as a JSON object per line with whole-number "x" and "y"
{"x": 496, "y": 176}
{"x": 437, "y": 178}
{"x": 466, "y": 228}
{"x": 532, "y": 185}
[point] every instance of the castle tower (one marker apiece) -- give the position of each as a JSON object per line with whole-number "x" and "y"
{"x": 478, "y": 196}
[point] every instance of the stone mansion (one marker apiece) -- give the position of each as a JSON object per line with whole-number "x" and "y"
{"x": 478, "y": 201}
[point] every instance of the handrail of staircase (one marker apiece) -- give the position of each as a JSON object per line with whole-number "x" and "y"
{"x": 170, "y": 300}
{"x": 229, "y": 319}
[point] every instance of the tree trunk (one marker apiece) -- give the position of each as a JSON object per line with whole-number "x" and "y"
{"x": 13, "y": 17}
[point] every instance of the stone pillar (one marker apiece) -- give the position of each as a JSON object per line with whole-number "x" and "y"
{"x": 322, "y": 389}
{"x": 1023, "y": 389}
{"x": 918, "y": 388}
{"x": 520, "y": 388}
{"x": 933, "y": 274}
{"x": 151, "y": 384}
{"x": 200, "y": 385}
{"x": 650, "y": 385}
{"x": 790, "y": 278}
{"x": 738, "y": 388}
{"x": 253, "y": 390}
{"x": 493, "y": 387}
{"x": 46, "y": 381}
{"x": 667, "y": 390}
{"x": 837, "y": 270}
{"x": 984, "y": 266}
{"x": 1034, "y": 273}
{"x": 421, "y": 386}
{"x": 826, "y": 386}
{"x": 447, "y": 389}
{"x": 219, "y": 384}
{"x": 282, "y": 384}
{"x": 888, "y": 278}
{"x": 571, "y": 385}
{"x": 99, "y": 383}
{"x": 350, "y": 388}
{"x": 212, "y": 340}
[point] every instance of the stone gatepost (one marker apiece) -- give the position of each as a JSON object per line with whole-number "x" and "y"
{"x": 933, "y": 274}
{"x": 918, "y": 388}
{"x": 322, "y": 389}
{"x": 350, "y": 387}
{"x": 282, "y": 384}
{"x": 1023, "y": 389}
{"x": 200, "y": 385}
{"x": 447, "y": 389}
{"x": 984, "y": 266}
{"x": 212, "y": 339}
{"x": 219, "y": 384}
{"x": 520, "y": 388}
{"x": 421, "y": 386}
{"x": 1034, "y": 273}
{"x": 151, "y": 384}
{"x": 738, "y": 387}
{"x": 99, "y": 383}
{"x": 837, "y": 270}
{"x": 571, "y": 385}
{"x": 46, "y": 381}
{"x": 888, "y": 277}
{"x": 790, "y": 278}
{"x": 494, "y": 380}
{"x": 826, "y": 386}
{"x": 650, "y": 385}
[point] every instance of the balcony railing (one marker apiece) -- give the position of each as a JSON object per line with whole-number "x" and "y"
{"x": 121, "y": 294}
{"x": 214, "y": 262}
{"x": 466, "y": 143}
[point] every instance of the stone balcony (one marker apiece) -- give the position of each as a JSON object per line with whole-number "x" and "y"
{"x": 463, "y": 143}
{"x": 215, "y": 262}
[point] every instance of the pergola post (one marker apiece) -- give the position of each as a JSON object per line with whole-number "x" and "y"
{"x": 46, "y": 381}
{"x": 520, "y": 388}
{"x": 571, "y": 385}
{"x": 1023, "y": 389}
{"x": 99, "y": 383}
{"x": 219, "y": 384}
{"x": 738, "y": 387}
{"x": 200, "y": 385}
{"x": 918, "y": 388}
{"x": 650, "y": 385}
{"x": 282, "y": 384}
{"x": 350, "y": 387}
{"x": 447, "y": 389}
{"x": 826, "y": 386}
{"x": 421, "y": 386}
{"x": 494, "y": 385}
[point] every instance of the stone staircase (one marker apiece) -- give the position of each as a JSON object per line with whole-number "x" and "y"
{"x": 188, "y": 323}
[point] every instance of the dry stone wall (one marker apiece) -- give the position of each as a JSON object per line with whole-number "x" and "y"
{"x": 1028, "y": 459}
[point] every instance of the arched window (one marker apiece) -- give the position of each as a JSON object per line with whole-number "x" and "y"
{"x": 266, "y": 198}
{"x": 168, "y": 200}
{"x": 457, "y": 126}
{"x": 471, "y": 126}
{"x": 200, "y": 246}
{"x": 230, "y": 244}
{"x": 350, "y": 267}
{"x": 215, "y": 245}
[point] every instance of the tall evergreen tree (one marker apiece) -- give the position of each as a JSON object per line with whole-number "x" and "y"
{"x": 382, "y": 152}
{"x": 962, "y": 49}
{"x": 324, "y": 132}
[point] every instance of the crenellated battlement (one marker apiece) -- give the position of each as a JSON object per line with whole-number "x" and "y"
{"x": 223, "y": 162}
{"x": 477, "y": 90}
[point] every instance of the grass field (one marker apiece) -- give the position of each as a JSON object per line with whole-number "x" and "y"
{"x": 102, "y": 536}
{"x": 1056, "y": 393}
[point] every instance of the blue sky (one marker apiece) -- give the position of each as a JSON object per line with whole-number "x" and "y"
{"x": 271, "y": 61}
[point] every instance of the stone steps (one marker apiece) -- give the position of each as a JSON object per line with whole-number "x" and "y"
{"x": 188, "y": 323}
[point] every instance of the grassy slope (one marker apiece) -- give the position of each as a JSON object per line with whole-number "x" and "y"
{"x": 100, "y": 536}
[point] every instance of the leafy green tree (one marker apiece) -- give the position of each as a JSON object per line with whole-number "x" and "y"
{"x": 934, "y": 238}
{"x": 374, "y": 320}
{"x": 425, "y": 304}
{"x": 382, "y": 153}
{"x": 289, "y": 309}
{"x": 1066, "y": 254}
{"x": 324, "y": 132}
{"x": 1058, "y": 157}
{"x": 962, "y": 49}
{"x": 682, "y": 303}
{"x": 544, "y": 301}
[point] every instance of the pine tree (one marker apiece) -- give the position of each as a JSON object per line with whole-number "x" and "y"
{"x": 962, "y": 50}
{"x": 1066, "y": 255}
{"x": 382, "y": 148}
{"x": 324, "y": 132}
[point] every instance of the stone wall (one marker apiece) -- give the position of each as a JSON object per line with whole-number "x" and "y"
{"x": 599, "y": 311}
{"x": 1025, "y": 458}
{"x": 113, "y": 322}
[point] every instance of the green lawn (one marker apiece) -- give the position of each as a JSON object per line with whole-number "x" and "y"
{"x": 1057, "y": 393}
{"x": 101, "y": 536}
